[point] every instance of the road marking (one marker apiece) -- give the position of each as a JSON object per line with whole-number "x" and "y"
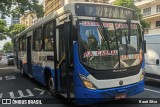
{"x": 12, "y": 95}
{"x": 42, "y": 91}
{"x": 1, "y": 94}
{"x": 21, "y": 95}
{"x": 9, "y": 68}
{"x": 11, "y": 77}
{"x": 30, "y": 94}
{"x": 48, "y": 93}
{"x": 45, "y": 90}
{"x": 152, "y": 90}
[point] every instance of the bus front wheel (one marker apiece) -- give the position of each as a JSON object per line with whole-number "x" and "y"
{"x": 51, "y": 86}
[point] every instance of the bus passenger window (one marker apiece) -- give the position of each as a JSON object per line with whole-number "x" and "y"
{"x": 48, "y": 44}
{"x": 38, "y": 40}
{"x": 48, "y": 37}
{"x": 24, "y": 43}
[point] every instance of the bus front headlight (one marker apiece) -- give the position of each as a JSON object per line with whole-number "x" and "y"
{"x": 142, "y": 75}
{"x": 86, "y": 82}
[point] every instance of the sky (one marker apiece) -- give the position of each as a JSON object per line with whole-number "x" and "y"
{"x": 2, "y": 42}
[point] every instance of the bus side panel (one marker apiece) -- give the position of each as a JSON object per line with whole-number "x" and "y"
{"x": 40, "y": 64}
{"x": 38, "y": 73}
{"x": 37, "y": 69}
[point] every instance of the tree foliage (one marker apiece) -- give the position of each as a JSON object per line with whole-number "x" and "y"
{"x": 19, "y": 7}
{"x": 130, "y": 4}
{"x": 8, "y": 47}
{"x": 125, "y": 3}
{"x": 3, "y": 29}
{"x": 15, "y": 29}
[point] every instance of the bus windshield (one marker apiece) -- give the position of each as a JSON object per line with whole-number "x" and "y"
{"x": 125, "y": 48}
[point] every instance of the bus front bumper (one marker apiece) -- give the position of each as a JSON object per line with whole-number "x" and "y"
{"x": 85, "y": 96}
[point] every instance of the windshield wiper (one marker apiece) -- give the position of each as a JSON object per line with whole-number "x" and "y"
{"x": 129, "y": 33}
{"x": 117, "y": 45}
{"x": 103, "y": 32}
{"x": 129, "y": 30}
{"x": 126, "y": 44}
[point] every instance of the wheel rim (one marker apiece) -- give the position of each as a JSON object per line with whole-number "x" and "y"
{"x": 51, "y": 84}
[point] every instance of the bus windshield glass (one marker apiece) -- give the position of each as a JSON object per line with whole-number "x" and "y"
{"x": 124, "y": 48}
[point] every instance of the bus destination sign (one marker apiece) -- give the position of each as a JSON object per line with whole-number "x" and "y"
{"x": 106, "y": 11}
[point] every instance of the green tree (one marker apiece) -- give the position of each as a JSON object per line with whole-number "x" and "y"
{"x": 19, "y": 7}
{"x": 8, "y": 47}
{"x": 125, "y": 3}
{"x": 130, "y": 4}
{"x": 3, "y": 29}
{"x": 15, "y": 29}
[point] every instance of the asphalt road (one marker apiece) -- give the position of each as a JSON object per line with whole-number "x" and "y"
{"x": 13, "y": 85}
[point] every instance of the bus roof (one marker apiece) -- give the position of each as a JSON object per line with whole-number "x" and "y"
{"x": 67, "y": 8}
{"x": 101, "y": 4}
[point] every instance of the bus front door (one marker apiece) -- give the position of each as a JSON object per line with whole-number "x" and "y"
{"x": 63, "y": 59}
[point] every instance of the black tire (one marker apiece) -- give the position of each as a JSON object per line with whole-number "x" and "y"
{"x": 22, "y": 72}
{"x": 51, "y": 86}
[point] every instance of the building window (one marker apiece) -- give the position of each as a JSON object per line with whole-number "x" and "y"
{"x": 158, "y": 8}
{"x": 38, "y": 40}
{"x": 158, "y": 23}
{"x": 48, "y": 37}
{"x": 147, "y": 11}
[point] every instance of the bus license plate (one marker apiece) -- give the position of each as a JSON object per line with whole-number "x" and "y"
{"x": 120, "y": 96}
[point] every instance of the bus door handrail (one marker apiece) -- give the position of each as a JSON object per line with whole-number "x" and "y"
{"x": 60, "y": 61}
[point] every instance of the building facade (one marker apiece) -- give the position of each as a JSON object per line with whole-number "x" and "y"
{"x": 150, "y": 9}
{"x": 52, "y": 5}
{"x": 28, "y": 19}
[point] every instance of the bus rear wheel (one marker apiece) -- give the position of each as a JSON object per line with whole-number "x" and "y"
{"x": 51, "y": 85}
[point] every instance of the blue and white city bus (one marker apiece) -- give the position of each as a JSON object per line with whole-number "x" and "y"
{"x": 91, "y": 52}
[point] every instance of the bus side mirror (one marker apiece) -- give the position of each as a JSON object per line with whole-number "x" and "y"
{"x": 144, "y": 46}
{"x": 157, "y": 61}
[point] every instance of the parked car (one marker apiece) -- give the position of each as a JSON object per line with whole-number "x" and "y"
{"x": 4, "y": 60}
{"x": 10, "y": 59}
{"x": 152, "y": 56}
